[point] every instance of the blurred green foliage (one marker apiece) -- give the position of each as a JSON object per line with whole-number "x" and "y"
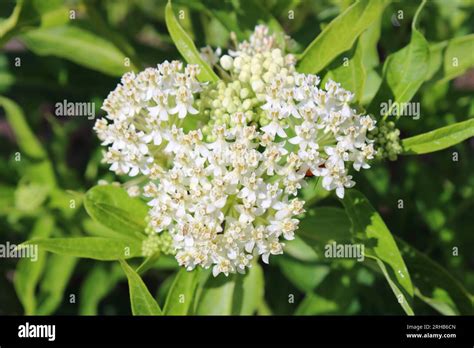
{"x": 76, "y": 50}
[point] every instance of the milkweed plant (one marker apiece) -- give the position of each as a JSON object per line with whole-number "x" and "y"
{"x": 220, "y": 160}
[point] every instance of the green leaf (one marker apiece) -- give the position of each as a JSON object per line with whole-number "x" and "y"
{"x": 41, "y": 170}
{"x": 97, "y": 248}
{"x": 7, "y": 199}
{"x": 28, "y": 14}
{"x": 314, "y": 191}
{"x": 102, "y": 28}
{"x": 434, "y": 284}
{"x": 249, "y": 291}
{"x": 141, "y": 300}
{"x": 350, "y": 73}
{"x": 436, "y": 58}
{"x": 28, "y": 272}
{"x": 335, "y": 295}
{"x": 369, "y": 228}
{"x": 300, "y": 250}
{"x": 30, "y": 197}
{"x": 27, "y": 141}
{"x": 9, "y": 24}
{"x": 438, "y": 139}
{"x": 216, "y": 296}
{"x": 370, "y": 60}
{"x": 340, "y": 35}
{"x": 67, "y": 202}
{"x": 181, "y": 294}
{"x": 368, "y": 41}
{"x": 233, "y": 295}
{"x": 149, "y": 262}
{"x": 186, "y": 47}
{"x": 112, "y": 207}
{"x": 324, "y": 225}
{"x": 405, "y": 70}
{"x": 305, "y": 276}
{"x": 372, "y": 85}
{"x": 98, "y": 283}
{"x": 317, "y": 305}
{"x": 459, "y": 56}
{"x": 58, "y": 271}
{"x": 78, "y": 45}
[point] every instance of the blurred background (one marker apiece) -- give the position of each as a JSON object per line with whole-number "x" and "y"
{"x": 56, "y": 50}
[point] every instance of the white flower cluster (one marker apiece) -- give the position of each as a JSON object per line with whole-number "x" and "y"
{"x": 327, "y": 132}
{"x": 227, "y": 194}
{"x": 223, "y": 202}
{"x": 142, "y": 110}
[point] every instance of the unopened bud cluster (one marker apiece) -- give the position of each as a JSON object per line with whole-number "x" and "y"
{"x": 387, "y": 141}
{"x": 157, "y": 242}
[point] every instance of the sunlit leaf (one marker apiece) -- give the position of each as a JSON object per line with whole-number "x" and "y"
{"x": 235, "y": 294}
{"x": 141, "y": 300}
{"x": 369, "y": 228}
{"x": 97, "y": 248}
{"x": 339, "y": 35}
{"x": 459, "y": 56}
{"x": 350, "y": 73}
{"x": 186, "y": 46}
{"x": 112, "y": 207}
{"x": 181, "y": 294}
{"x": 405, "y": 70}
{"x": 438, "y": 139}
{"x": 80, "y": 46}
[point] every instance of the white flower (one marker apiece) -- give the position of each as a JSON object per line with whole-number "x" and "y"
{"x": 184, "y": 103}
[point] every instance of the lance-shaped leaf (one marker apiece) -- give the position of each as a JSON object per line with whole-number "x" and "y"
{"x": 141, "y": 300}
{"x": 434, "y": 284}
{"x": 186, "y": 47}
{"x": 459, "y": 56}
{"x": 41, "y": 170}
{"x": 57, "y": 272}
{"x": 235, "y": 294}
{"x": 26, "y": 139}
{"x": 99, "y": 281}
{"x": 98, "y": 248}
{"x": 340, "y": 35}
{"x": 436, "y": 58}
{"x": 112, "y": 207}
{"x": 369, "y": 228}
{"x": 181, "y": 294}
{"x": 28, "y": 271}
{"x": 7, "y": 25}
{"x": 405, "y": 70}
{"x": 438, "y": 139}
{"x": 370, "y": 59}
{"x": 451, "y": 58}
{"x": 350, "y": 72}
{"x": 79, "y": 46}
{"x": 324, "y": 225}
